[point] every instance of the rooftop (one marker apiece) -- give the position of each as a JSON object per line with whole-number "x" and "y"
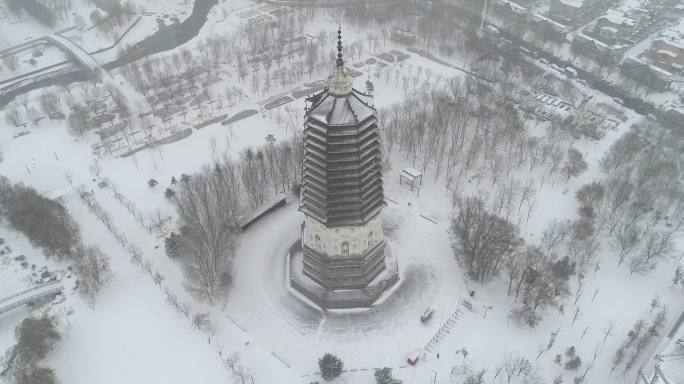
{"x": 618, "y": 17}
{"x": 573, "y": 3}
{"x": 338, "y": 110}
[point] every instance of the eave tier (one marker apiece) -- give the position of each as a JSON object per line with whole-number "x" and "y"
{"x": 342, "y": 173}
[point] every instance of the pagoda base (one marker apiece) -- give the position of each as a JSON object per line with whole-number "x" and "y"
{"x": 341, "y": 298}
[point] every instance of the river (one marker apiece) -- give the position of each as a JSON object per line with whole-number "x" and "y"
{"x": 167, "y": 37}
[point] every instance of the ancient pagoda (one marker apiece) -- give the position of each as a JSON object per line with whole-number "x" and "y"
{"x": 342, "y": 197}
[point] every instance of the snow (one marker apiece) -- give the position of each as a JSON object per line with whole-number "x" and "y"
{"x": 573, "y": 3}
{"x": 132, "y": 335}
{"x": 82, "y": 56}
{"x": 618, "y": 18}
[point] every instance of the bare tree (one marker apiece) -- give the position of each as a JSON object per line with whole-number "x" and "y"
{"x": 12, "y": 115}
{"x": 208, "y": 204}
{"x": 49, "y": 104}
{"x": 658, "y": 247}
{"x": 484, "y": 241}
{"x": 11, "y": 61}
{"x": 92, "y": 268}
{"x": 574, "y": 164}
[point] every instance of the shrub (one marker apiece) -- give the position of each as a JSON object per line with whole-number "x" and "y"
{"x": 330, "y": 365}
{"x": 45, "y": 222}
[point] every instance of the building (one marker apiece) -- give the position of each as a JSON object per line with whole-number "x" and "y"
{"x": 596, "y": 49}
{"x": 512, "y": 8}
{"x": 614, "y": 25}
{"x": 646, "y": 74}
{"x": 550, "y": 28}
{"x": 344, "y": 250}
{"x": 667, "y": 53}
{"x": 567, "y": 11}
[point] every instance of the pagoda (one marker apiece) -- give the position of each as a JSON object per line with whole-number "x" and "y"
{"x": 342, "y": 196}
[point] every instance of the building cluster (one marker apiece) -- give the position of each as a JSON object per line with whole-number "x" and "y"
{"x": 642, "y": 37}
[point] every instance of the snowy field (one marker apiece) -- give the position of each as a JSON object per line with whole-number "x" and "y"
{"x": 132, "y": 334}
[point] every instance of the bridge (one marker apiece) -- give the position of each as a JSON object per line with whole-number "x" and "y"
{"x": 31, "y": 296}
{"x": 75, "y": 50}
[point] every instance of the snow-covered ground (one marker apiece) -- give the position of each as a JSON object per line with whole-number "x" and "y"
{"x": 133, "y": 335}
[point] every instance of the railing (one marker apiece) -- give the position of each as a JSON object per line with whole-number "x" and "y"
{"x": 8, "y": 303}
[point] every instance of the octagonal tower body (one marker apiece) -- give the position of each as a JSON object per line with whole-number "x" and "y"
{"x": 342, "y": 195}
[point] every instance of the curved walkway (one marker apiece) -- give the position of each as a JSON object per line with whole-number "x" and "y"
{"x": 77, "y": 52}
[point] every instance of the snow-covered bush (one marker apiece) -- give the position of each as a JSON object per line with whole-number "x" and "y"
{"x": 384, "y": 376}
{"x": 172, "y": 245}
{"x": 330, "y": 365}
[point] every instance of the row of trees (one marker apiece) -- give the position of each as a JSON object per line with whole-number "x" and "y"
{"x": 210, "y": 202}
{"x": 208, "y": 207}
{"x": 638, "y": 338}
{"x": 639, "y": 203}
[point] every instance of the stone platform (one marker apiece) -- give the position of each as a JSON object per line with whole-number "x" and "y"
{"x": 342, "y": 298}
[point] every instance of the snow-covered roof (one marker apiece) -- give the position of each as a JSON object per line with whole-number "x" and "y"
{"x": 598, "y": 43}
{"x": 660, "y": 72}
{"x": 610, "y": 29}
{"x": 674, "y": 35}
{"x": 555, "y": 24}
{"x": 515, "y": 7}
{"x": 666, "y": 52}
{"x": 573, "y": 3}
{"x": 617, "y": 17}
{"x": 331, "y": 109}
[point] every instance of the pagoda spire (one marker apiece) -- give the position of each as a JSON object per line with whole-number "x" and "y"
{"x": 339, "y": 81}
{"x": 340, "y": 61}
